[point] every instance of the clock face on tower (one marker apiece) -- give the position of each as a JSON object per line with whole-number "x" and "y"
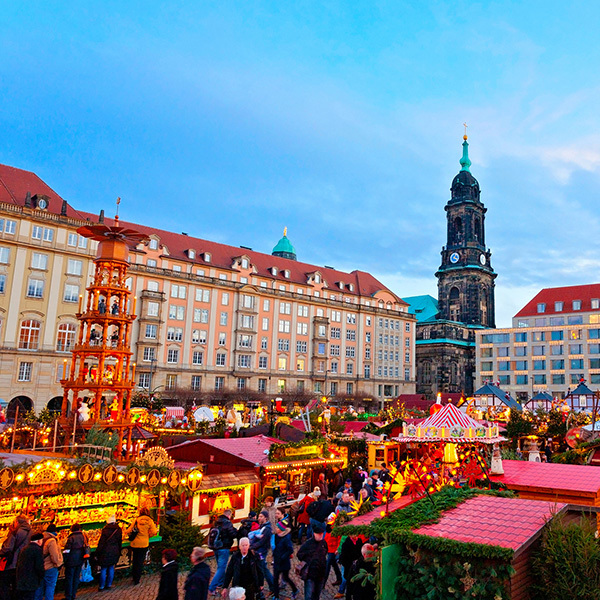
{"x": 454, "y": 257}
{"x": 482, "y": 259}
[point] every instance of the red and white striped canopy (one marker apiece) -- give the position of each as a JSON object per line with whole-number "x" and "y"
{"x": 449, "y": 416}
{"x": 174, "y": 411}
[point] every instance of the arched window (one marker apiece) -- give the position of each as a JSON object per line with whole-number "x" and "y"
{"x": 66, "y": 337}
{"x": 458, "y": 229}
{"x": 477, "y": 229}
{"x": 454, "y": 304}
{"x": 427, "y": 371}
{"x": 29, "y": 336}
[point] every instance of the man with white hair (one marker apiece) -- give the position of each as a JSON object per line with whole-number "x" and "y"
{"x": 244, "y": 571}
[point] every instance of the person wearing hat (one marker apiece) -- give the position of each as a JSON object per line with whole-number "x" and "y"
{"x": 362, "y": 590}
{"x": 333, "y": 544}
{"x": 30, "y": 568}
{"x": 314, "y": 553}
{"x": 282, "y": 555}
{"x": 260, "y": 543}
{"x": 19, "y": 533}
{"x": 196, "y": 584}
{"x": 53, "y": 561}
{"x": 303, "y": 517}
{"x": 108, "y": 552}
{"x": 74, "y": 552}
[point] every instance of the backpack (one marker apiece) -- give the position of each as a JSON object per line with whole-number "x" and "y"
{"x": 313, "y": 509}
{"x": 215, "y": 541}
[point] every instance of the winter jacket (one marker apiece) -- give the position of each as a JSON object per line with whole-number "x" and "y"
{"x": 227, "y": 530}
{"x": 314, "y": 553}
{"x": 324, "y": 488}
{"x": 350, "y": 551}
{"x": 304, "y": 517}
{"x": 30, "y": 568}
{"x": 260, "y": 541}
{"x": 244, "y": 573}
{"x": 333, "y": 543}
{"x": 14, "y": 543}
{"x": 324, "y": 509}
{"x": 75, "y": 549}
{"x": 109, "y": 547}
{"x": 53, "y": 558}
{"x": 196, "y": 584}
{"x": 167, "y": 588}
{"x": 146, "y": 530}
{"x": 356, "y": 590}
{"x": 283, "y": 551}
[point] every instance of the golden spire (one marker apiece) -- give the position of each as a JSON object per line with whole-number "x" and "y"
{"x": 285, "y": 232}
{"x": 465, "y": 126}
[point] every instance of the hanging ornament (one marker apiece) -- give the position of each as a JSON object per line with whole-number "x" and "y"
{"x": 133, "y": 476}
{"x": 153, "y": 478}
{"x": 85, "y": 473}
{"x": 174, "y": 479}
{"x": 110, "y": 475}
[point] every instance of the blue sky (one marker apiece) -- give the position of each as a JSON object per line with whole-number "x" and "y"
{"x": 340, "y": 120}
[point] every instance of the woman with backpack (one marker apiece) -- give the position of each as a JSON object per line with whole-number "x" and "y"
{"x": 139, "y": 534}
{"x": 76, "y": 550}
{"x": 108, "y": 552}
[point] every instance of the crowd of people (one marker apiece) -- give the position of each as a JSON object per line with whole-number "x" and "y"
{"x": 261, "y": 564}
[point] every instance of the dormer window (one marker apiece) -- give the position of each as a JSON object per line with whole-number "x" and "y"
{"x": 191, "y": 254}
{"x": 207, "y": 257}
{"x": 341, "y": 285}
{"x": 245, "y": 263}
{"x": 273, "y": 271}
{"x": 153, "y": 245}
{"x": 317, "y": 278}
{"x": 286, "y": 274}
{"x": 351, "y": 287}
{"x": 576, "y": 304}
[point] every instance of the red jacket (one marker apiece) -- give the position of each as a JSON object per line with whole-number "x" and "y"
{"x": 303, "y": 516}
{"x": 333, "y": 543}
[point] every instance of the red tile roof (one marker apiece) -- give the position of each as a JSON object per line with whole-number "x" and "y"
{"x": 550, "y": 476}
{"x": 15, "y": 183}
{"x": 549, "y": 296}
{"x": 495, "y": 521}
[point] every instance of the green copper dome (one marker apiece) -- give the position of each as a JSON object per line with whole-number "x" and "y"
{"x": 284, "y": 248}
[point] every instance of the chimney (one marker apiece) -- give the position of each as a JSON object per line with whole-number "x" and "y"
{"x": 28, "y": 200}
{"x": 63, "y": 209}
{"x": 101, "y": 217}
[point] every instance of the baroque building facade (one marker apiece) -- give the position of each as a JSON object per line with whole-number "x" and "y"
{"x": 445, "y": 346}
{"x": 210, "y": 316}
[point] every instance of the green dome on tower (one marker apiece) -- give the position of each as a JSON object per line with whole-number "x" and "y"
{"x": 284, "y": 248}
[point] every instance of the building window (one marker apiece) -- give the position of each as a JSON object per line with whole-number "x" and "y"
{"x": 281, "y": 385}
{"x": 336, "y": 333}
{"x": 556, "y": 336}
{"x": 285, "y": 308}
{"x": 4, "y": 255}
{"x": 284, "y": 326}
{"x": 576, "y": 304}
{"x": 262, "y": 362}
{"x": 262, "y": 385}
{"x": 2, "y": 284}
{"x": 173, "y": 355}
{"x": 202, "y": 295}
{"x": 35, "y": 288}
{"x": 144, "y": 380}
{"x": 521, "y": 351}
{"x": 539, "y": 365}
{"x": 74, "y": 267}
{"x": 302, "y": 328}
{"x": 241, "y": 383}
{"x": 151, "y": 262}
{"x": 521, "y": 337}
{"x": 349, "y": 369}
{"x": 29, "y": 335}
{"x": 197, "y": 357}
{"x": 201, "y": 315}
{"x": 351, "y": 335}
{"x": 299, "y": 364}
{"x": 541, "y": 307}
{"x": 225, "y": 298}
{"x": 521, "y": 379}
{"x": 178, "y": 291}
{"x": 71, "y": 293}
{"x": 558, "y": 306}
{"x": 39, "y": 261}
{"x": 539, "y": 380}
{"x": 244, "y": 361}
{"x": 174, "y": 334}
{"x": 219, "y": 383}
{"x": 153, "y": 309}
{"x": 221, "y": 358}
{"x": 151, "y": 331}
{"x": 149, "y": 354}
{"x": 196, "y": 382}
{"x": 595, "y": 303}
{"x": 222, "y": 339}
{"x": 283, "y": 345}
{"x": 350, "y": 352}
{"x": 406, "y": 374}
{"x": 265, "y": 324}
{"x": 558, "y": 379}
{"x": 25, "y": 369}
{"x": 282, "y": 363}
{"x": 66, "y": 337}
{"x": 83, "y": 242}
{"x": 36, "y": 232}
{"x": 171, "y": 382}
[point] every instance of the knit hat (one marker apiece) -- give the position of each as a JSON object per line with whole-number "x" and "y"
{"x": 51, "y": 529}
{"x": 317, "y": 526}
{"x": 252, "y": 514}
{"x": 265, "y": 513}
{"x": 282, "y": 525}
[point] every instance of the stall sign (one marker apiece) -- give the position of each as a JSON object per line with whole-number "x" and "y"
{"x": 7, "y": 476}
{"x": 174, "y": 479}
{"x": 46, "y": 475}
{"x": 222, "y": 503}
{"x": 85, "y": 473}
{"x": 303, "y": 451}
{"x": 156, "y": 457}
{"x": 133, "y": 476}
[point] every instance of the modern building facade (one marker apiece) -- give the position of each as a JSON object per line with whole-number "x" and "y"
{"x": 211, "y": 316}
{"x": 553, "y": 343}
{"x": 445, "y": 346}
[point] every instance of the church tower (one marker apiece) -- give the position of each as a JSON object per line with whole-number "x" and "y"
{"x": 466, "y": 277}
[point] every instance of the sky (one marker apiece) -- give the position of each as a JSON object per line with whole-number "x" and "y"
{"x": 340, "y": 120}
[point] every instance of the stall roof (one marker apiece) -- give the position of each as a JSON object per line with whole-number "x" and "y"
{"x": 490, "y": 389}
{"x": 508, "y": 522}
{"x": 521, "y": 474}
{"x": 580, "y": 390}
{"x": 224, "y": 480}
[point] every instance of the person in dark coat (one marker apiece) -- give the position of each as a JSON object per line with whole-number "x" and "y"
{"x": 17, "y": 539}
{"x": 73, "y": 553}
{"x": 260, "y": 543}
{"x": 196, "y": 584}
{"x": 349, "y": 552}
{"x": 314, "y": 553}
{"x": 356, "y": 590}
{"x": 167, "y": 588}
{"x": 227, "y": 533}
{"x": 30, "y": 568}
{"x": 282, "y": 558}
{"x": 244, "y": 571}
{"x": 108, "y": 552}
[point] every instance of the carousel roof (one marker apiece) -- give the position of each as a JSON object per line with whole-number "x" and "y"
{"x": 449, "y": 416}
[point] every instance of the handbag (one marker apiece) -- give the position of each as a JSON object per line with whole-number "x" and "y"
{"x": 134, "y": 531}
{"x": 86, "y": 573}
